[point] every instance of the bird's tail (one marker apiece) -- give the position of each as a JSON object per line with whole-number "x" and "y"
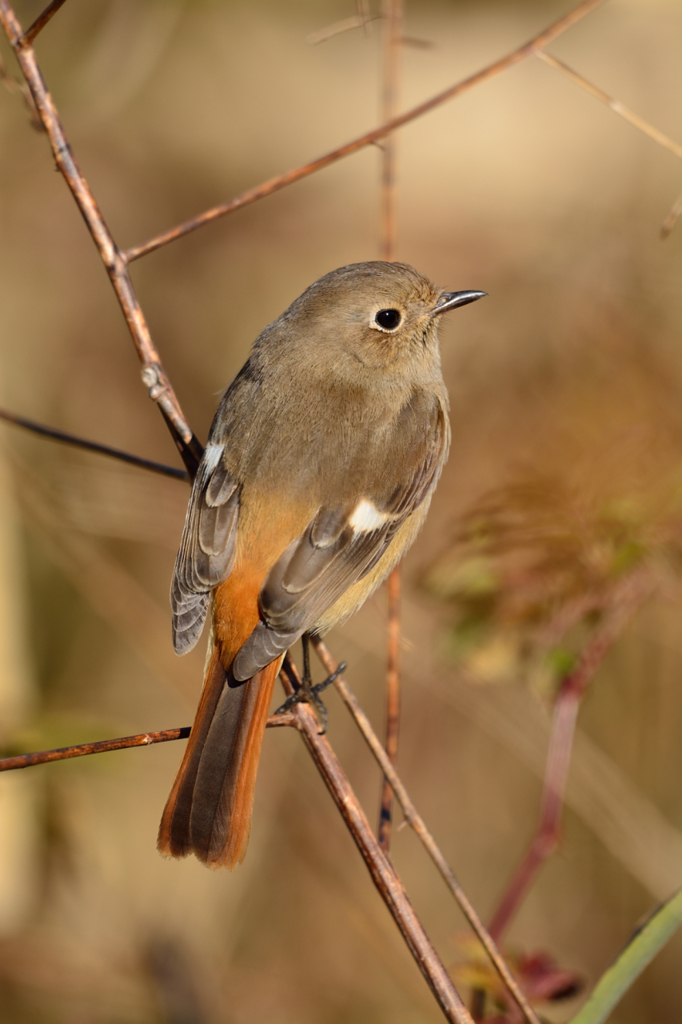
{"x": 208, "y": 812}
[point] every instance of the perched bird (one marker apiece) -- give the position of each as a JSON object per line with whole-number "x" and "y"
{"x": 318, "y": 473}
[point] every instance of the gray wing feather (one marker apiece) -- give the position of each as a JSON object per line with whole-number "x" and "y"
{"x": 316, "y": 569}
{"x": 207, "y": 549}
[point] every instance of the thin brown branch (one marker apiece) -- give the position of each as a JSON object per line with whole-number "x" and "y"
{"x": 142, "y": 739}
{"x": 92, "y": 446}
{"x": 383, "y": 875}
{"x": 625, "y": 603}
{"x": 41, "y": 21}
{"x": 416, "y": 822}
{"x": 392, "y": 703}
{"x": 615, "y": 105}
{"x": 153, "y": 374}
{"x": 393, "y": 21}
{"x": 281, "y": 181}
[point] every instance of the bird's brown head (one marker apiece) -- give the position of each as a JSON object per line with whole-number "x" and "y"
{"x": 381, "y": 315}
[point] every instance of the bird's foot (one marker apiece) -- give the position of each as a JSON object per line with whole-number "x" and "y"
{"x": 309, "y": 694}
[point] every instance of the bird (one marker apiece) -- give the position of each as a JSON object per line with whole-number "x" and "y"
{"x": 318, "y": 472}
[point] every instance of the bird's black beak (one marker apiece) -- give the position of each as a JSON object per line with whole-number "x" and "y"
{"x": 450, "y": 300}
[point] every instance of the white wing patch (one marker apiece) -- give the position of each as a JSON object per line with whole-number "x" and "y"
{"x": 366, "y": 517}
{"x": 212, "y": 456}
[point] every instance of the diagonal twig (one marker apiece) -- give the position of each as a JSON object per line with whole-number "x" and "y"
{"x": 384, "y": 876}
{"x": 625, "y": 602}
{"x": 416, "y": 822}
{"x": 281, "y": 181}
{"x": 615, "y": 105}
{"x": 92, "y": 446}
{"x": 42, "y": 20}
{"x": 153, "y": 375}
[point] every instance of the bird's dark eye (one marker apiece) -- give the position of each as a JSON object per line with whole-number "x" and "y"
{"x": 388, "y": 319}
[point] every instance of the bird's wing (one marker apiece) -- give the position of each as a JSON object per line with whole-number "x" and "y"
{"x": 207, "y": 548}
{"x": 338, "y": 548}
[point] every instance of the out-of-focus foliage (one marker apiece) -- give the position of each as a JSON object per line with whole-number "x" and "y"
{"x": 538, "y": 560}
{"x": 543, "y": 981}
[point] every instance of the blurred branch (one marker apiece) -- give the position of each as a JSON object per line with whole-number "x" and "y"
{"x": 41, "y": 21}
{"x": 615, "y": 105}
{"x": 282, "y": 180}
{"x": 392, "y": 11}
{"x": 92, "y": 446}
{"x": 383, "y": 874}
{"x": 671, "y": 219}
{"x": 621, "y": 816}
{"x": 393, "y": 20}
{"x": 625, "y": 602}
{"x": 415, "y": 820}
{"x": 392, "y": 701}
{"x": 110, "y": 590}
{"x": 153, "y": 375}
{"x": 359, "y": 20}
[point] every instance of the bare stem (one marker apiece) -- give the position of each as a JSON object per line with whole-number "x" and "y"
{"x": 92, "y": 446}
{"x": 384, "y": 876}
{"x": 281, "y": 181}
{"x": 392, "y": 702}
{"x": 544, "y": 843}
{"x": 416, "y": 822}
{"x": 360, "y": 20}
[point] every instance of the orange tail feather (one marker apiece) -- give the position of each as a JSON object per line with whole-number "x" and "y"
{"x": 208, "y": 812}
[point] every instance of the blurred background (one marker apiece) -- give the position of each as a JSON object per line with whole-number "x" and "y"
{"x": 565, "y": 387}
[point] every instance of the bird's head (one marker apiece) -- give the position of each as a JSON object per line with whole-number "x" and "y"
{"x": 379, "y": 315}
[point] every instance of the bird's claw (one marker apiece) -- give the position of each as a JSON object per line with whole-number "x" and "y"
{"x": 308, "y": 694}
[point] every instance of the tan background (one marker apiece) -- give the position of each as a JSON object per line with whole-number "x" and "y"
{"x": 526, "y": 187}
